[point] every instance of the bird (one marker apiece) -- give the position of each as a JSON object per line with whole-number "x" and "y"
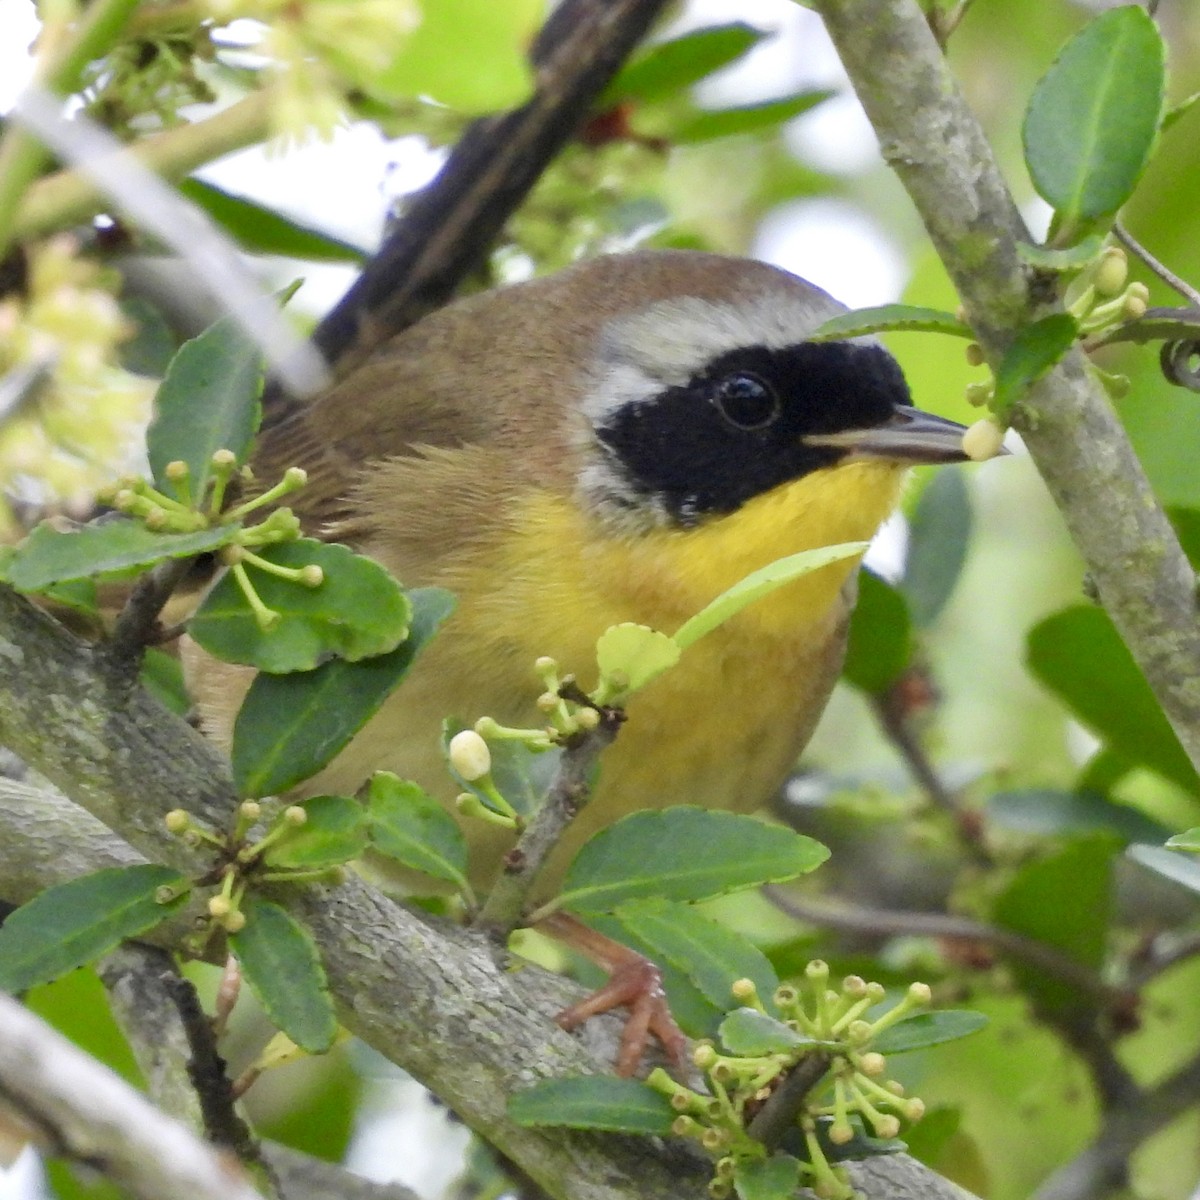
{"x": 620, "y": 441}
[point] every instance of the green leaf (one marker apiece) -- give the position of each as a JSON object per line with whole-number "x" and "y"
{"x": 894, "y": 318}
{"x": 1069, "y": 258}
{"x": 1034, "y": 350}
{"x": 466, "y": 54}
{"x": 50, "y": 556}
{"x": 335, "y": 832}
{"x": 290, "y": 726}
{"x": 75, "y": 923}
{"x": 774, "y": 1178}
{"x": 209, "y": 401}
{"x": 928, "y": 1029}
{"x": 668, "y": 68}
{"x": 750, "y": 118}
{"x": 521, "y": 773}
{"x": 408, "y": 825}
{"x": 1187, "y": 526}
{"x": 1065, "y": 901}
{"x": 594, "y": 1102}
{"x": 1079, "y": 656}
{"x": 748, "y": 1033}
{"x": 1188, "y": 840}
{"x": 683, "y": 854}
{"x": 262, "y": 230}
{"x": 761, "y": 583}
{"x": 939, "y": 532}
{"x": 635, "y": 652}
{"x": 280, "y": 962}
{"x": 1178, "y": 868}
{"x": 880, "y": 645}
{"x": 358, "y": 611}
{"x": 1093, "y": 118}
{"x": 710, "y": 955}
{"x": 1057, "y": 814}
{"x": 1176, "y": 111}
{"x": 162, "y": 677}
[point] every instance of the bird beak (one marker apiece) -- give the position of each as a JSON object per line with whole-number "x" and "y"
{"x": 910, "y": 436}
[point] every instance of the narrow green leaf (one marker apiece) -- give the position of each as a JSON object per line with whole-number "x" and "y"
{"x": 162, "y": 676}
{"x": 1178, "y": 868}
{"x": 774, "y": 1178}
{"x": 358, "y": 611}
{"x": 635, "y": 652}
{"x": 1064, "y": 900}
{"x": 664, "y": 70}
{"x": 1034, "y": 350}
{"x": 335, "y": 833}
{"x": 408, "y": 825}
{"x": 1187, "y": 526}
{"x": 939, "y": 532}
{"x": 761, "y": 583}
{"x": 749, "y": 1033}
{"x": 1079, "y": 656}
{"x": 50, "y": 556}
{"x": 750, "y": 118}
{"x": 1176, "y": 111}
{"x": 710, "y": 955}
{"x": 280, "y": 962}
{"x": 1069, "y": 258}
{"x": 262, "y": 230}
{"x": 1188, "y": 840}
{"x": 75, "y": 923}
{"x": 1093, "y": 118}
{"x": 890, "y": 318}
{"x": 880, "y": 645}
{"x": 290, "y": 726}
{"x": 1059, "y": 814}
{"x": 928, "y": 1029}
{"x": 683, "y": 854}
{"x": 1158, "y": 325}
{"x": 594, "y": 1102}
{"x": 208, "y": 401}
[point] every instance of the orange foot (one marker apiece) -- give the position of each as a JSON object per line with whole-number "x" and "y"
{"x": 634, "y": 981}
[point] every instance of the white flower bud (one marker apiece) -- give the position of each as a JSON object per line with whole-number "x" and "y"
{"x": 469, "y": 755}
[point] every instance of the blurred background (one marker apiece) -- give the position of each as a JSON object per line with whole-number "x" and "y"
{"x": 979, "y": 560}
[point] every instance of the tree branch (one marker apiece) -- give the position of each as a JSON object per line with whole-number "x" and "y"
{"x": 407, "y": 985}
{"x": 934, "y": 143}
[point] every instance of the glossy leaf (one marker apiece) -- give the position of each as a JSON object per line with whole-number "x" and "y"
{"x": 1065, "y": 901}
{"x": 162, "y": 675}
{"x": 880, "y": 644}
{"x": 761, "y": 583}
{"x": 75, "y": 923}
{"x": 1188, "y": 840}
{"x": 665, "y": 69}
{"x": 1080, "y": 657}
{"x": 358, "y": 611}
{"x": 1093, "y": 118}
{"x": 1186, "y": 522}
{"x": 710, "y": 955}
{"x": 939, "y": 533}
{"x": 683, "y": 854}
{"x": 749, "y": 1033}
{"x": 594, "y": 1102}
{"x": 1068, "y": 258}
{"x": 408, "y": 825}
{"x": 638, "y": 654}
{"x": 280, "y": 962}
{"x": 50, "y": 556}
{"x": 928, "y": 1029}
{"x": 750, "y": 118}
{"x": 890, "y": 318}
{"x": 335, "y": 833}
{"x": 1178, "y": 868}
{"x": 1034, "y": 351}
{"x": 290, "y": 726}
{"x": 208, "y": 401}
{"x": 774, "y": 1178}
{"x": 262, "y": 230}
{"x": 1058, "y": 814}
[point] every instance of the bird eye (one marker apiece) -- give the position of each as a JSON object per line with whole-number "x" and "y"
{"x": 746, "y": 401}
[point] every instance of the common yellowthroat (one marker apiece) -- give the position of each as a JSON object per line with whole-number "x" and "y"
{"x": 621, "y": 441}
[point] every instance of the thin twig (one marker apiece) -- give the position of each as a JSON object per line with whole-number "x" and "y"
{"x": 136, "y": 625}
{"x": 568, "y": 792}
{"x": 1178, "y": 949}
{"x": 778, "y": 1115}
{"x": 1160, "y": 269}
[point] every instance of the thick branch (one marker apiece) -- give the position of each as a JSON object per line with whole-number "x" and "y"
{"x": 932, "y": 140}
{"x": 409, "y": 987}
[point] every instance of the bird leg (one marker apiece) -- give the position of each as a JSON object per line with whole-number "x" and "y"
{"x": 634, "y": 981}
